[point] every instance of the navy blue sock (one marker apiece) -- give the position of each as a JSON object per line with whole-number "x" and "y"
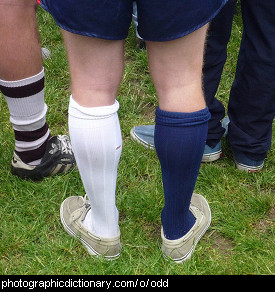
{"x": 179, "y": 141}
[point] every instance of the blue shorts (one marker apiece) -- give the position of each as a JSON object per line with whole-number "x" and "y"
{"x": 158, "y": 20}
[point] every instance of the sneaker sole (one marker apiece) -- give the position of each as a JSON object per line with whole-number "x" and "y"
{"x": 212, "y": 157}
{"x": 90, "y": 250}
{"x": 137, "y": 139}
{"x": 33, "y": 175}
{"x": 248, "y": 169}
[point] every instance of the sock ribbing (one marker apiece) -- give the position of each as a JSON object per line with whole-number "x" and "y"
{"x": 96, "y": 141}
{"x": 179, "y": 142}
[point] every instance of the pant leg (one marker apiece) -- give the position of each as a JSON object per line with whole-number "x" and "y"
{"x": 215, "y": 57}
{"x": 252, "y": 99}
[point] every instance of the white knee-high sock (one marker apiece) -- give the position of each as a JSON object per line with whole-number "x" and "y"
{"x": 96, "y": 141}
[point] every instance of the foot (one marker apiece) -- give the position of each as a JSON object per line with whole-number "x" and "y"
{"x": 144, "y": 135}
{"x": 181, "y": 249}
{"x": 212, "y": 154}
{"x": 58, "y": 158}
{"x": 246, "y": 164}
{"x": 72, "y": 213}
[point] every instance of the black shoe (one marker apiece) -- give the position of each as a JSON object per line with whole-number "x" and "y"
{"x": 58, "y": 158}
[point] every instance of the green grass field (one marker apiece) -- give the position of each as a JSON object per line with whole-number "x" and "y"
{"x": 240, "y": 240}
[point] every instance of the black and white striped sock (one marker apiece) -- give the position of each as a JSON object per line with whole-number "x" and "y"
{"x": 25, "y": 99}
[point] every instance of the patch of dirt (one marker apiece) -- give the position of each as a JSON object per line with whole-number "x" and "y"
{"x": 221, "y": 243}
{"x": 265, "y": 224}
{"x": 152, "y": 230}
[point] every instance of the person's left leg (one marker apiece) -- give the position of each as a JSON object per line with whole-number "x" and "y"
{"x": 96, "y": 68}
{"x": 96, "y": 58}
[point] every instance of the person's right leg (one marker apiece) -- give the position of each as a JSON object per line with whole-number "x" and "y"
{"x": 175, "y": 45}
{"x": 181, "y": 124}
{"x": 215, "y": 56}
{"x": 180, "y": 135}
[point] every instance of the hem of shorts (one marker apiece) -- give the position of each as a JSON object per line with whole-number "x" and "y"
{"x": 91, "y": 34}
{"x": 180, "y": 35}
{"x": 88, "y": 34}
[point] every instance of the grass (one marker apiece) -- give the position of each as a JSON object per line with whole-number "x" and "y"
{"x": 32, "y": 240}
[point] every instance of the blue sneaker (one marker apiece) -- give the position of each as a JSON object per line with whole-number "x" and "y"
{"x": 212, "y": 154}
{"x": 246, "y": 164}
{"x": 144, "y": 135}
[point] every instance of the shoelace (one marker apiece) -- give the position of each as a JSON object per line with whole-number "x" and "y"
{"x": 86, "y": 201}
{"x": 77, "y": 213}
{"x": 65, "y": 144}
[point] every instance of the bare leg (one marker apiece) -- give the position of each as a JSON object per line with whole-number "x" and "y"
{"x": 96, "y": 68}
{"x": 19, "y": 40}
{"x": 176, "y": 69}
{"x": 22, "y": 84}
